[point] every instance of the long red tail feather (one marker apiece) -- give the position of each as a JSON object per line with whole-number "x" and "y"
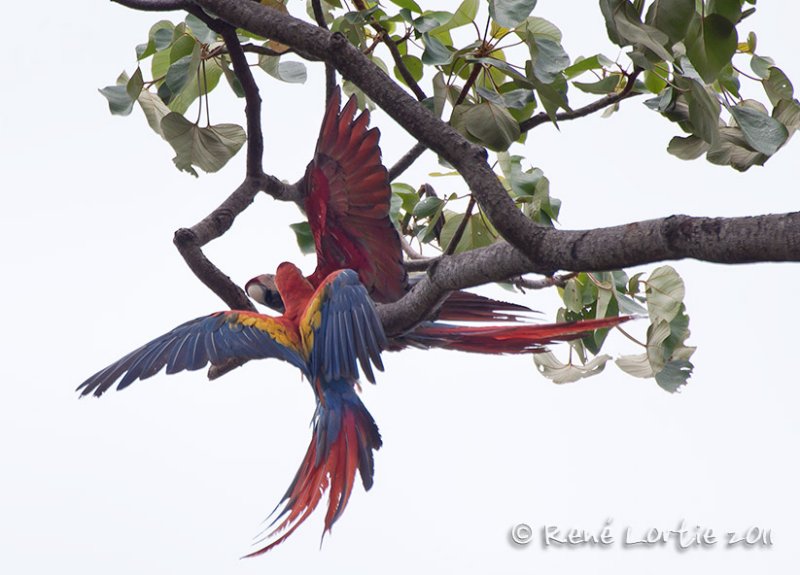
{"x": 529, "y": 338}
{"x": 344, "y": 437}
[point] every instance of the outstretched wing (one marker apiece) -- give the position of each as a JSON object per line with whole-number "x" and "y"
{"x": 342, "y": 329}
{"x": 216, "y": 338}
{"x": 347, "y": 203}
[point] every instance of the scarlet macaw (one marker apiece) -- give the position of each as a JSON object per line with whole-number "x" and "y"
{"x": 347, "y": 198}
{"x": 326, "y": 333}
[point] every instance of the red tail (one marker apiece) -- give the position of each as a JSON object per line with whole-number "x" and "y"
{"x": 343, "y": 440}
{"x": 529, "y": 338}
{"x": 467, "y": 306}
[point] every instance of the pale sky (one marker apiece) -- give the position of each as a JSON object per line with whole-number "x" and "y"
{"x": 175, "y": 474}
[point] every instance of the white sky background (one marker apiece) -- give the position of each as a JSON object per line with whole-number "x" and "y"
{"x": 175, "y": 473}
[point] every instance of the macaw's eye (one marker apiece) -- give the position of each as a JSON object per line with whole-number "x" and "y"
{"x": 273, "y": 300}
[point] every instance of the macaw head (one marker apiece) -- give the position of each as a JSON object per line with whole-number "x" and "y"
{"x": 264, "y": 291}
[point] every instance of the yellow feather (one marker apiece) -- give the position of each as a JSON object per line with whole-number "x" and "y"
{"x": 276, "y": 330}
{"x": 310, "y": 321}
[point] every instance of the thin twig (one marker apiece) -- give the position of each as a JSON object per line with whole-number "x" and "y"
{"x": 252, "y": 109}
{"x": 462, "y": 225}
{"x": 406, "y": 161}
{"x": 401, "y": 66}
{"x": 409, "y": 250}
{"x": 595, "y": 106}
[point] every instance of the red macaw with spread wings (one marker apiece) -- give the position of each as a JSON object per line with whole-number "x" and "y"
{"x": 347, "y": 198}
{"x": 326, "y": 332}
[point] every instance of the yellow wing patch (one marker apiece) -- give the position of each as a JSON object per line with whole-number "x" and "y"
{"x": 283, "y": 334}
{"x": 311, "y": 320}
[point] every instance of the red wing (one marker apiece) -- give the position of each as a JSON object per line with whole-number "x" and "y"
{"x": 347, "y": 203}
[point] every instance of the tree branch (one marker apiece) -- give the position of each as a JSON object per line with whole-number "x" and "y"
{"x": 768, "y": 238}
{"x": 595, "y": 106}
{"x": 190, "y": 241}
{"x": 406, "y": 161}
{"x": 252, "y": 109}
{"x": 155, "y": 5}
{"x": 330, "y": 71}
{"x": 468, "y": 159}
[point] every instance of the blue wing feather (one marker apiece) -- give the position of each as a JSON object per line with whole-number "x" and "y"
{"x": 349, "y": 333}
{"x": 216, "y": 338}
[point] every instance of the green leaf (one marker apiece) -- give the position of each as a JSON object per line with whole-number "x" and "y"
{"x": 731, "y": 10}
{"x": 733, "y": 149}
{"x": 558, "y": 372}
{"x": 120, "y": 102}
{"x": 427, "y": 207}
{"x": 466, "y": 13}
{"x": 689, "y": 148}
{"x": 487, "y": 124}
{"x": 290, "y": 72}
{"x": 413, "y": 65}
{"x": 135, "y": 84}
{"x": 630, "y": 30}
{"x": 548, "y": 57}
{"x": 671, "y": 17}
{"x": 154, "y": 109}
{"x": 233, "y": 81}
{"x": 407, "y": 194}
{"x": 674, "y": 375}
{"x": 181, "y": 102}
{"x": 655, "y": 81}
{"x": 787, "y": 112}
{"x": 635, "y": 365}
{"x": 778, "y": 86}
{"x": 436, "y": 53}
{"x": 710, "y": 45}
{"x": 430, "y": 20}
{"x": 764, "y": 133}
{"x": 304, "y": 237}
{"x": 408, "y": 5}
{"x": 183, "y": 46}
{"x": 573, "y": 296}
{"x": 607, "y": 85}
{"x": 596, "y": 62}
{"x": 199, "y": 29}
{"x": 180, "y": 73}
{"x": 208, "y": 148}
{"x": 512, "y": 99}
{"x": 476, "y": 234}
{"x": 761, "y": 65}
{"x": 704, "y": 112}
{"x": 665, "y": 293}
{"x": 161, "y": 34}
{"x": 509, "y": 13}
{"x": 540, "y": 28}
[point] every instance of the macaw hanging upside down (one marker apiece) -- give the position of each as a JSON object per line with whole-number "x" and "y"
{"x": 326, "y": 333}
{"x": 347, "y": 198}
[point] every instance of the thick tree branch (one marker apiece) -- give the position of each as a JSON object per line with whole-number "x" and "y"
{"x": 768, "y": 238}
{"x": 155, "y": 5}
{"x": 531, "y": 248}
